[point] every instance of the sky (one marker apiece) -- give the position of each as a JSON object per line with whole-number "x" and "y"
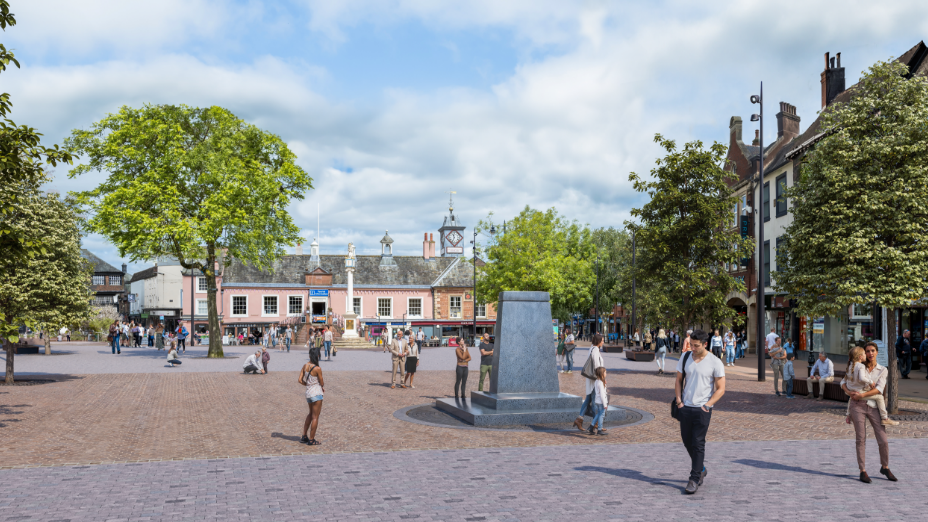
{"x": 390, "y": 104}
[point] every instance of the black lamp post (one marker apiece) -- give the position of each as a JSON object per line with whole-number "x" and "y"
{"x": 759, "y": 210}
{"x": 474, "y": 242}
{"x": 634, "y": 276}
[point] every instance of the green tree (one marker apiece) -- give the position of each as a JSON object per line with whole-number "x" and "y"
{"x": 23, "y": 161}
{"x": 687, "y": 234}
{"x": 542, "y": 252}
{"x": 860, "y": 206}
{"x": 199, "y": 185}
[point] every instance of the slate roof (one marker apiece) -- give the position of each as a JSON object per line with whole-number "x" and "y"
{"x": 99, "y": 265}
{"x": 148, "y": 273}
{"x": 409, "y": 271}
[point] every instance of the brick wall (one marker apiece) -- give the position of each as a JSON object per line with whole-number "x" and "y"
{"x": 442, "y": 304}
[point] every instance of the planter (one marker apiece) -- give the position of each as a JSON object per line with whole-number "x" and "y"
{"x": 613, "y": 348}
{"x": 639, "y": 355}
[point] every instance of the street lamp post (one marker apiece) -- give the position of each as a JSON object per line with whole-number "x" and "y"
{"x": 634, "y": 276}
{"x": 759, "y": 210}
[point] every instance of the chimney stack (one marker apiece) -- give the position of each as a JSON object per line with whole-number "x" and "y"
{"x": 124, "y": 268}
{"x": 431, "y": 245}
{"x": 426, "y": 251}
{"x": 299, "y": 249}
{"x": 787, "y": 122}
{"x": 756, "y": 141}
{"x": 832, "y": 79}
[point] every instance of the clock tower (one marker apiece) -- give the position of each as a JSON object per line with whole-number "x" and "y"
{"x": 451, "y": 233}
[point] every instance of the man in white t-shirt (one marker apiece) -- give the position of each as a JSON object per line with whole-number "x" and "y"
{"x": 772, "y": 339}
{"x": 704, "y": 385}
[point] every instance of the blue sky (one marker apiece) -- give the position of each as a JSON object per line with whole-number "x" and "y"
{"x": 391, "y": 103}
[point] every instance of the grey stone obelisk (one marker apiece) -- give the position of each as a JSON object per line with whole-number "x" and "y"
{"x": 524, "y": 387}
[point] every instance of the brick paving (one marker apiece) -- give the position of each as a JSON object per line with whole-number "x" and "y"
{"x": 760, "y": 480}
{"x": 161, "y": 416}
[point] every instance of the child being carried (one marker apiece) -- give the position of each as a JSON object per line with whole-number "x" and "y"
{"x": 857, "y": 379}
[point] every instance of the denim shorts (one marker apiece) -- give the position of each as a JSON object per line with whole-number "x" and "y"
{"x": 314, "y": 398}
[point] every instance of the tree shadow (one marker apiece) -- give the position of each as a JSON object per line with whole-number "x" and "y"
{"x": 635, "y": 475}
{"x": 738, "y": 401}
{"x": 783, "y": 467}
{"x": 11, "y": 409}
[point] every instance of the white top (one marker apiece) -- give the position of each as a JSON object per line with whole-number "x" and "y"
{"x": 877, "y": 376}
{"x": 420, "y": 335}
{"x": 601, "y": 396}
{"x": 825, "y": 369}
{"x": 860, "y": 379}
{"x": 312, "y": 385}
{"x": 64, "y": 330}
{"x": 172, "y": 354}
{"x": 328, "y": 336}
{"x": 716, "y": 340}
{"x": 253, "y": 360}
{"x": 700, "y": 379}
{"x": 569, "y": 339}
{"x": 289, "y": 333}
{"x": 772, "y": 339}
{"x": 597, "y": 362}
{"x": 413, "y": 349}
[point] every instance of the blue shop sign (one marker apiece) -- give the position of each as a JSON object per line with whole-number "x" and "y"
{"x": 319, "y": 293}
{"x": 397, "y": 324}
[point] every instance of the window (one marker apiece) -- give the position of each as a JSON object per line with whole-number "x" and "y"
{"x": 239, "y": 306}
{"x": 201, "y": 307}
{"x": 734, "y": 222}
{"x": 357, "y": 305}
{"x": 781, "y": 198}
{"x": 385, "y": 307}
{"x": 482, "y": 310}
{"x": 115, "y": 280}
{"x": 455, "y": 310}
{"x": 99, "y": 280}
{"x": 766, "y": 200}
{"x": 766, "y": 263}
{"x": 294, "y": 305}
{"x": 102, "y": 300}
{"x": 860, "y": 311}
{"x": 415, "y": 307}
{"x": 270, "y": 305}
{"x": 201, "y": 284}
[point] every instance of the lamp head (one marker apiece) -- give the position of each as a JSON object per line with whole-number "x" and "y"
{"x": 755, "y": 117}
{"x": 755, "y": 98}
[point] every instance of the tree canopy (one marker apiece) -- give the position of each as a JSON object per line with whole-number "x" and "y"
{"x": 860, "y": 204}
{"x": 686, "y": 233}
{"x": 196, "y": 184}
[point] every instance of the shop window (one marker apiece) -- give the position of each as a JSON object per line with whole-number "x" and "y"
{"x": 455, "y": 307}
{"x": 239, "y": 305}
{"x": 415, "y": 307}
{"x": 781, "y": 195}
{"x": 384, "y": 307}
{"x": 270, "y": 305}
{"x": 294, "y": 305}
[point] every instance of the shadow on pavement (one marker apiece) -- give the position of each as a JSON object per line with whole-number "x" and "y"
{"x": 782, "y": 467}
{"x": 635, "y": 475}
{"x": 10, "y": 409}
{"x": 278, "y": 435}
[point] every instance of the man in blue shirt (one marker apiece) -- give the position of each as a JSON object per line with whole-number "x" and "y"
{"x": 181, "y": 337}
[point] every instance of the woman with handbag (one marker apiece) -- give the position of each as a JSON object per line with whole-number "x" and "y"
{"x": 660, "y": 352}
{"x": 594, "y": 361}
{"x": 561, "y": 365}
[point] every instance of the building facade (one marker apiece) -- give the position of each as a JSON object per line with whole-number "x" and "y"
{"x": 107, "y": 281}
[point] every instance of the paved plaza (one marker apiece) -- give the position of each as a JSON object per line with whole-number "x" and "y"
{"x": 124, "y": 438}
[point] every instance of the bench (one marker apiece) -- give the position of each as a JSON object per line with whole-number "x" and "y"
{"x": 613, "y": 348}
{"x": 639, "y": 355}
{"x": 833, "y": 389}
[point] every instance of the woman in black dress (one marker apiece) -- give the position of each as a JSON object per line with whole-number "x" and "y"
{"x": 412, "y": 359}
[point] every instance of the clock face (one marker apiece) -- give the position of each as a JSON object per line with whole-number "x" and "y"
{"x": 455, "y": 237}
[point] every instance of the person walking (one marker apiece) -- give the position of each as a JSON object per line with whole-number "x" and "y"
{"x": 265, "y": 358}
{"x": 327, "y": 341}
{"x": 676, "y": 341}
{"x": 636, "y": 338}
{"x": 596, "y": 360}
{"x": 399, "y": 348}
{"x": 647, "y": 339}
{"x": 311, "y": 377}
{"x": 788, "y": 375}
{"x": 686, "y": 342}
{"x": 462, "y": 369}
{"x": 728, "y": 345}
{"x": 412, "y": 360}
{"x": 601, "y": 403}
{"x": 696, "y": 395}
{"x": 172, "y": 355}
{"x": 114, "y": 337}
{"x": 861, "y": 411}
{"x": 159, "y": 336}
{"x": 560, "y": 351}
{"x": 778, "y": 356}
{"x": 904, "y": 353}
{"x": 486, "y": 359}
{"x": 253, "y": 363}
{"x": 569, "y": 346}
{"x": 288, "y": 337}
{"x": 826, "y": 374}
{"x": 716, "y": 344}
{"x": 739, "y": 345}
{"x": 420, "y": 338}
{"x": 182, "y": 334}
{"x": 660, "y": 351}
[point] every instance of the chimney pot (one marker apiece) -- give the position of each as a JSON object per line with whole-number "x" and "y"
{"x": 839, "y": 59}
{"x": 826, "y": 60}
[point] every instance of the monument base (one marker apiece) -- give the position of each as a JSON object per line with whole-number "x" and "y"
{"x": 351, "y": 326}
{"x": 518, "y": 409}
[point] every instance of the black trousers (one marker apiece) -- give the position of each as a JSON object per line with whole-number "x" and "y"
{"x": 694, "y": 424}
{"x": 251, "y": 369}
{"x": 182, "y": 344}
{"x": 460, "y": 380}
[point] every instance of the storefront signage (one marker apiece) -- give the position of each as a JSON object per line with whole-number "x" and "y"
{"x": 745, "y": 232}
{"x": 163, "y": 313}
{"x": 144, "y": 315}
{"x": 818, "y": 327}
{"x": 397, "y": 324}
{"x": 882, "y": 356}
{"x": 454, "y": 250}
{"x": 319, "y": 293}
{"x": 319, "y": 319}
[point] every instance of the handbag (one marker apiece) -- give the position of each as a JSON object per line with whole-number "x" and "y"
{"x": 674, "y": 409}
{"x": 589, "y": 370}
{"x": 588, "y": 412}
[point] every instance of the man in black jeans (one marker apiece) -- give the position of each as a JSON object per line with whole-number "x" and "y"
{"x": 904, "y": 353}
{"x": 697, "y": 393}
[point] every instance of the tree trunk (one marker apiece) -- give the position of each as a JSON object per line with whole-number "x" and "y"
{"x": 48, "y": 344}
{"x": 892, "y": 382}
{"x": 215, "y": 335}
{"x": 8, "y": 346}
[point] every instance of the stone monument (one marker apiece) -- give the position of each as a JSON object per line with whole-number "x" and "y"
{"x": 351, "y": 318}
{"x": 524, "y": 387}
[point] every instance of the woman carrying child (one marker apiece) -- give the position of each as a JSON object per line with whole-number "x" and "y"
{"x": 857, "y": 379}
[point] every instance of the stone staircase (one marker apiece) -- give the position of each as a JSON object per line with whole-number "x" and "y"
{"x": 344, "y": 343}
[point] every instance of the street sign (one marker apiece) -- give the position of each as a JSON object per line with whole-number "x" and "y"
{"x": 319, "y": 293}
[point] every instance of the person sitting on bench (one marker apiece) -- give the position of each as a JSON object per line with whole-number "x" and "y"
{"x": 253, "y": 363}
{"x": 826, "y": 374}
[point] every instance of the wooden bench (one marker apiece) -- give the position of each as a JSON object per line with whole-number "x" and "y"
{"x": 639, "y": 355}
{"x": 833, "y": 389}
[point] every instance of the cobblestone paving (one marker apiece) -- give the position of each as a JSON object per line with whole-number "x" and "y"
{"x": 764, "y": 481}
{"x": 107, "y": 418}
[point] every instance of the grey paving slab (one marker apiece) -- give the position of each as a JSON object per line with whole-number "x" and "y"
{"x": 766, "y": 481}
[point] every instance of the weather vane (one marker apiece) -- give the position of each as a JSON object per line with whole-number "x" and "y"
{"x": 451, "y": 194}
